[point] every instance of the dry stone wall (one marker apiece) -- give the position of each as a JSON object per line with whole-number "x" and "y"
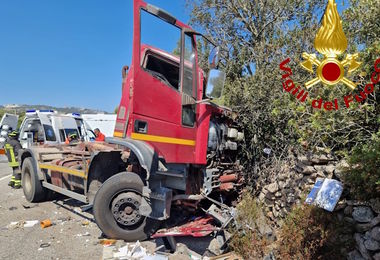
{"x": 280, "y": 190}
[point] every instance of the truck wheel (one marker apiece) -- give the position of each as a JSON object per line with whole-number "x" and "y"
{"x": 31, "y": 185}
{"x": 116, "y": 208}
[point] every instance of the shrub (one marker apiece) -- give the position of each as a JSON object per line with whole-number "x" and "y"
{"x": 309, "y": 232}
{"x": 246, "y": 241}
{"x": 363, "y": 174}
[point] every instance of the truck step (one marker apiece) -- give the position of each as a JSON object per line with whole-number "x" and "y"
{"x": 170, "y": 174}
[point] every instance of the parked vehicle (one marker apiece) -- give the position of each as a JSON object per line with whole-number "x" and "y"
{"x": 48, "y": 127}
{"x": 171, "y": 144}
{"x": 8, "y": 121}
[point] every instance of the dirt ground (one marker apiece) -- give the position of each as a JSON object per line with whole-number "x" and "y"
{"x": 73, "y": 235}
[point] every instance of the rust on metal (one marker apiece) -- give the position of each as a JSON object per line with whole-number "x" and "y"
{"x": 228, "y": 178}
{"x": 226, "y": 186}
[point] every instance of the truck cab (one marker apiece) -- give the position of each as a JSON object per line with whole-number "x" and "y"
{"x": 172, "y": 144}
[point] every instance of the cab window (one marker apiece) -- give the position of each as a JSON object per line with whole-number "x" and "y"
{"x": 49, "y": 133}
{"x": 188, "y": 79}
{"x": 34, "y": 127}
{"x": 162, "y": 52}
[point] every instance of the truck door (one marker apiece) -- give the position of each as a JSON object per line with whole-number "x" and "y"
{"x": 9, "y": 120}
{"x": 65, "y": 126}
{"x": 162, "y": 91}
{"x": 50, "y": 135}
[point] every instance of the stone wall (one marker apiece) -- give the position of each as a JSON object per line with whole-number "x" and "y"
{"x": 281, "y": 187}
{"x": 364, "y": 218}
{"x": 289, "y": 183}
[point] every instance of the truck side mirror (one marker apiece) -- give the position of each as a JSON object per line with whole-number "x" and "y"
{"x": 213, "y": 58}
{"x": 215, "y": 83}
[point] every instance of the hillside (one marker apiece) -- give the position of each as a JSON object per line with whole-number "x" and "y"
{"x": 19, "y": 109}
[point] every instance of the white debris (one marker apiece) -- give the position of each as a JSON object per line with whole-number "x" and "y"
{"x": 31, "y": 223}
{"x": 18, "y": 224}
{"x": 87, "y": 234}
{"x": 136, "y": 251}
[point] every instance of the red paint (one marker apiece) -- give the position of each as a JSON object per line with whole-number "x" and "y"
{"x": 146, "y": 98}
{"x": 200, "y": 227}
{"x": 228, "y": 178}
{"x": 331, "y": 71}
{"x": 226, "y": 186}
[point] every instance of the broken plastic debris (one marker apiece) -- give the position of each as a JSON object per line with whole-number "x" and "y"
{"x": 84, "y": 235}
{"x": 30, "y": 223}
{"x": 137, "y": 251}
{"x": 267, "y": 151}
{"x": 46, "y": 223}
{"x": 85, "y": 223}
{"x": 27, "y": 206}
{"x": 43, "y": 245}
{"x": 325, "y": 193}
{"x": 131, "y": 251}
{"x": 107, "y": 242}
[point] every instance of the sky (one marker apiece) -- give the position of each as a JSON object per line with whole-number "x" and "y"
{"x": 68, "y": 52}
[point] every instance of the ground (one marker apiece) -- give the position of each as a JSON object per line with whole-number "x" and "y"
{"x": 73, "y": 234}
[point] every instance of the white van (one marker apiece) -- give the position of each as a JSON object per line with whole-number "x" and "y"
{"x": 48, "y": 127}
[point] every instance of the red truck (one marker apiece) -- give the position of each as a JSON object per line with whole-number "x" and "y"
{"x": 171, "y": 144}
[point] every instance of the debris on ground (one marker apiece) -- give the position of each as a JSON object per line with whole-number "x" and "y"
{"x": 227, "y": 256}
{"x": 46, "y": 223}
{"x": 22, "y": 223}
{"x": 131, "y": 251}
{"x": 44, "y": 245}
{"x": 87, "y": 234}
{"x": 107, "y": 242}
{"x": 30, "y": 223}
{"x": 200, "y": 227}
{"x": 85, "y": 223}
{"x": 29, "y": 206}
{"x": 325, "y": 193}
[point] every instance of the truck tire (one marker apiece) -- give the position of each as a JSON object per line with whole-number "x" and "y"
{"x": 31, "y": 184}
{"x": 116, "y": 209}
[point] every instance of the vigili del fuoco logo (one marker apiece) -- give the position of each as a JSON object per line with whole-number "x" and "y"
{"x": 331, "y": 42}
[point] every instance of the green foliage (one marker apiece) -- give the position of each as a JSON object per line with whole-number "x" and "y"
{"x": 363, "y": 173}
{"x": 258, "y": 36}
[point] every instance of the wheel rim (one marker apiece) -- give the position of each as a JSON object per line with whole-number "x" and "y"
{"x": 27, "y": 182}
{"x": 125, "y": 209}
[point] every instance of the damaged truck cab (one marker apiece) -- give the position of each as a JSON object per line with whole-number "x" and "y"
{"x": 171, "y": 144}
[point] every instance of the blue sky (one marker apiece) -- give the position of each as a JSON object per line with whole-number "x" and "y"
{"x": 68, "y": 52}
